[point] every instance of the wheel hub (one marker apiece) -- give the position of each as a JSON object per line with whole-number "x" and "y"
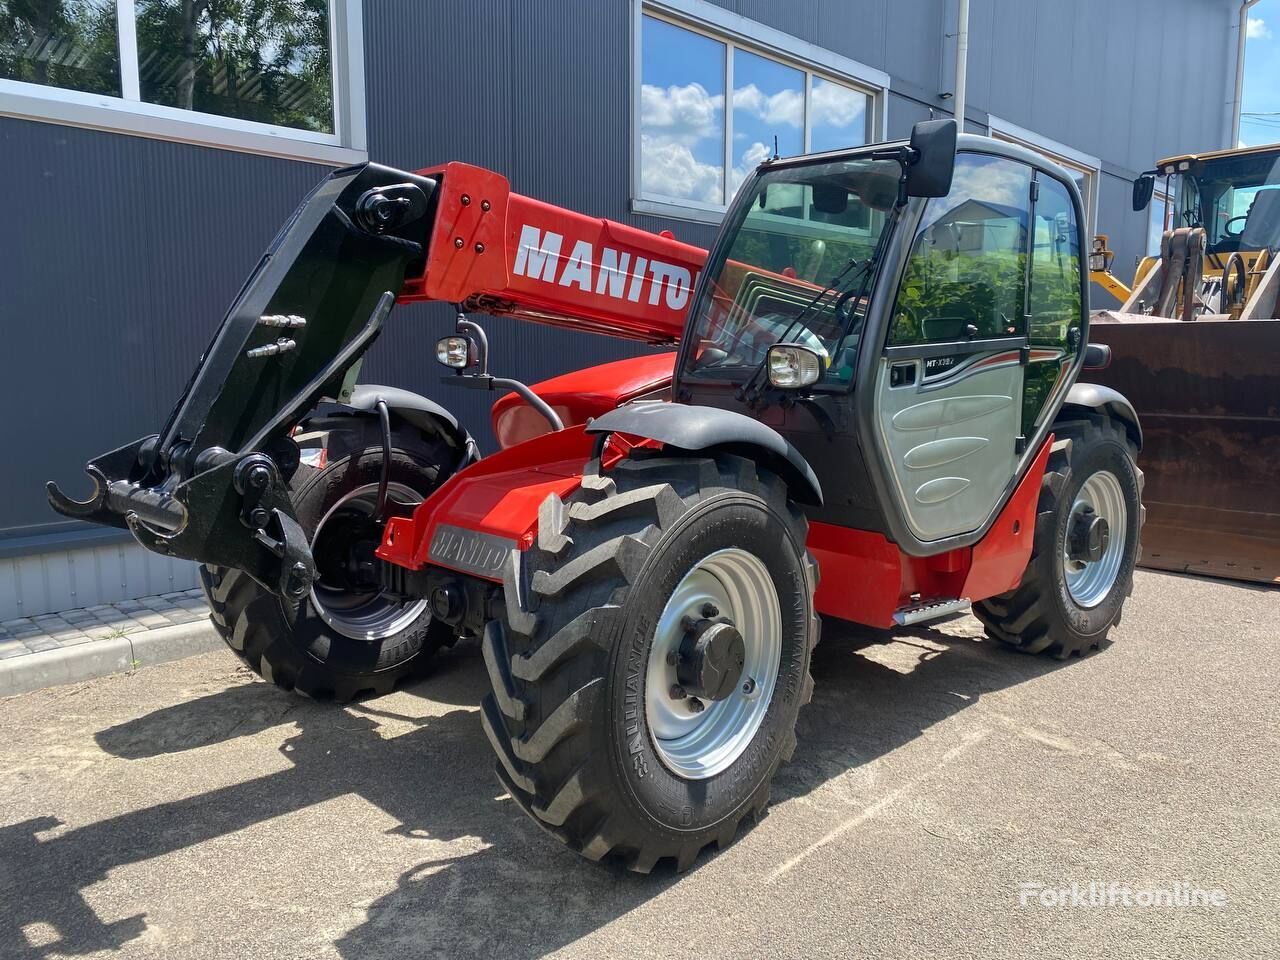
{"x": 1095, "y": 539}
{"x": 346, "y": 593}
{"x": 712, "y": 655}
{"x": 1089, "y": 536}
{"x": 713, "y": 664}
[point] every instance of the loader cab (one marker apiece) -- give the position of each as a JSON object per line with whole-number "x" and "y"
{"x": 947, "y": 329}
{"x": 1233, "y": 195}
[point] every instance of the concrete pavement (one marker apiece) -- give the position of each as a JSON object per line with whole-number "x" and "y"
{"x": 187, "y": 811}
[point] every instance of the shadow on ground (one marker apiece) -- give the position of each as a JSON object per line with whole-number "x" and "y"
{"x": 436, "y": 782}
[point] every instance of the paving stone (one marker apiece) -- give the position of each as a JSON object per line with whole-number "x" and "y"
{"x": 42, "y": 642}
{"x": 183, "y": 616}
{"x": 99, "y": 631}
{"x": 77, "y": 616}
{"x": 12, "y": 648}
{"x": 151, "y": 619}
{"x": 74, "y": 641}
{"x": 20, "y": 622}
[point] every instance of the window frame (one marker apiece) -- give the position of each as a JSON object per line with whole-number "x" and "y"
{"x": 738, "y": 32}
{"x": 129, "y": 114}
{"x": 1063, "y": 155}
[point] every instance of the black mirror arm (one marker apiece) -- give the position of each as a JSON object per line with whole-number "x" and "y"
{"x": 905, "y": 157}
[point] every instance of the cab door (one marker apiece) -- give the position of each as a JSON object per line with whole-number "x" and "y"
{"x": 950, "y": 381}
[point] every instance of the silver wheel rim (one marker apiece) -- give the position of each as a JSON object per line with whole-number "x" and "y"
{"x": 1090, "y": 582}
{"x": 697, "y": 745}
{"x": 369, "y": 616}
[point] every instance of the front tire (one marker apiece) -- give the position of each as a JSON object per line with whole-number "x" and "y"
{"x": 1066, "y": 605}
{"x": 344, "y": 640}
{"x": 580, "y": 667}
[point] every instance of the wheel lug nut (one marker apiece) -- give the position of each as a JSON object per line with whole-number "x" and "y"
{"x": 695, "y": 705}
{"x": 677, "y": 692}
{"x": 710, "y": 610}
{"x": 672, "y": 658}
{"x": 749, "y": 687}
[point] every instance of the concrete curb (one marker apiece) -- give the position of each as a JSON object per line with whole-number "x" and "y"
{"x": 101, "y": 658}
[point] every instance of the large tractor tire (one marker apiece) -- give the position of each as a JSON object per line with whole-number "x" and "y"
{"x": 1075, "y": 586}
{"x": 653, "y": 658}
{"x": 346, "y": 638}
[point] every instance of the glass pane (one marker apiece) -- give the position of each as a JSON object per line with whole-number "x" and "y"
{"x": 681, "y": 113}
{"x": 797, "y": 268}
{"x": 268, "y": 62}
{"x": 967, "y": 269}
{"x": 837, "y": 116}
{"x": 768, "y": 102}
{"x": 61, "y": 43}
{"x": 1053, "y": 301}
{"x": 1159, "y": 215}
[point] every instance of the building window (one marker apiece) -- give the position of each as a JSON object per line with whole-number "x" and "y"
{"x": 1084, "y": 169}
{"x": 1159, "y": 220}
{"x": 716, "y": 92}
{"x": 284, "y": 77}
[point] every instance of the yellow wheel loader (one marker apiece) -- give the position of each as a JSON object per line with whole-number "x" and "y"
{"x": 1196, "y": 348}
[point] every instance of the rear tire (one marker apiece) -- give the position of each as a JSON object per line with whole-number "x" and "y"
{"x": 1056, "y": 609}
{"x": 317, "y": 648}
{"x": 570, "y": 663}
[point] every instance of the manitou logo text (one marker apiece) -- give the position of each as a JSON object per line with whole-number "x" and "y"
{"x": 612, "y": 274}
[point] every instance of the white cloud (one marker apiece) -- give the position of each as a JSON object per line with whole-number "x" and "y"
{"x": 671, "y": 170}
{"x": 673, "y": 122}
{"x": 836, "y": 106}
{"x": 785, "y": 106}
{"x": 748, "y": 160}
{"x": 1257, "y": 29}
{"x": 680, "y": 114}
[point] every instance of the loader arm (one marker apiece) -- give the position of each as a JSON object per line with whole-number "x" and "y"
{"x": 212, "y": 484}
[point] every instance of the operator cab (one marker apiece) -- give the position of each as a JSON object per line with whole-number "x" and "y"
{"x": 910, "y": 345}
{"x": 1234, "y": 196}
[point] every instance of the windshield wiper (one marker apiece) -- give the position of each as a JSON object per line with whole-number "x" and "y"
{"x": 752, "y": 392}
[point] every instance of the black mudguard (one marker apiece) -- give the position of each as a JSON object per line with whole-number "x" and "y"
{"x": 1094, "y": 396}
{"x": 698, "y": 428}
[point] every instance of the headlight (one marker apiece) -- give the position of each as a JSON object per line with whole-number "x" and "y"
{"x": 455, "y": 352}
{"x": 792, "y": 367}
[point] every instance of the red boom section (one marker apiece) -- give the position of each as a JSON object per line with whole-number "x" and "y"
{"x": 501, "y": 253}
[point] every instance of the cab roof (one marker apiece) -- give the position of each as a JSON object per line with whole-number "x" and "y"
{"x": 1215, "y": 155}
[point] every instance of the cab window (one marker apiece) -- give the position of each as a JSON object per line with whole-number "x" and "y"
{"x": 966, "y": 275}
{"x": 1053, "y": 298}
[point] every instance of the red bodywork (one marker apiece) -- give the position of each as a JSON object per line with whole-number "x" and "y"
{"x": 582, "y": 394}
{"x": 505, "y": 254}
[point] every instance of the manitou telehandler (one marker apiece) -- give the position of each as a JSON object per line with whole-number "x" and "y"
{"x": 872, "y": 415}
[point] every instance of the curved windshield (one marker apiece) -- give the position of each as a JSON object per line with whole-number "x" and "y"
{"x": 797, "y": 268}
{"x": 1237, "y": 201}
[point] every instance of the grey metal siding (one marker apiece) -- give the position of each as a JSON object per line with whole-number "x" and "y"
{"x": 122, "y": 252}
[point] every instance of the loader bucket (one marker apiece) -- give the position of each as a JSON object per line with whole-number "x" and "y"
{"x": 212, "y": 484}
{"x": 1208, "y": 395}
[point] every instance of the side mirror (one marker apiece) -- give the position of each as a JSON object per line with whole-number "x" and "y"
{"x": 793, "y": 367}
{"x": 933, "y": 145}
{"x": 1143, "y": 188}
{"x": 1097, "y": 356}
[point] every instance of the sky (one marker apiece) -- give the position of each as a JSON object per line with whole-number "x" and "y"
{"x": 1262, "y": 76}
{"x": 683, "y": 121}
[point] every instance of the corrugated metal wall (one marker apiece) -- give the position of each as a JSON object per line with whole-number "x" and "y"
{"x": 123, "y": 252}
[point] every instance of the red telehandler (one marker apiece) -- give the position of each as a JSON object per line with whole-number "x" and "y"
{"x": 873, "y": 414}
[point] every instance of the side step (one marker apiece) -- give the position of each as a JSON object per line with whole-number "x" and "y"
{"x": 924, "y": 612}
